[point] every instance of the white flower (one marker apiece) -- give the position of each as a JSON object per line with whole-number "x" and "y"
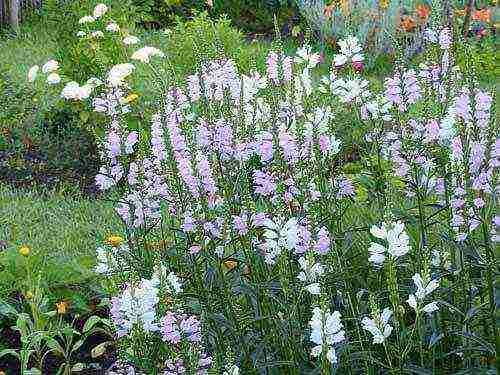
{"x": 100, "y": 10}
{"x": 32, "y": 73}
{"x": 398, "y": 242}
{"x": 97, "y": 34}
{"x": 118, "y": 73}
{"x": 53, "y": 79}
{"x": 94, "y": 82}
{"x": 304, "y": 55}
{"x": 310, "y": 273}
{"x": 113, "y": 27}
{"x": 378, "y": 326}
{"x": 86, "y": 19}
{"x": 350, "y": 50}
{"x": 136, "y": 306}
{"x": 431, "y": 307}
{"x": 318, "y": 120}
{"x": 130, "y": 39}
{"x": 50, "y": 66}
{"x": 314, "y": 289}
{"x": 326, "y": 330}
{"x": 423, "y": 290}
{"x": 232, "y": 370}
{"x": 279, "y": 235}
{"x": 145, "y": 53}
{"x": 174, "y": 283}
{"x": 351, "y": 90}
{"x": 74, "y": 91}
{"x": 81, "y": 34}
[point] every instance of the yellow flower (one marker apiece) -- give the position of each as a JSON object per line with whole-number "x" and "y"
{"x": 384, "y": 4}
{"x": 62, "y": 307}
{"x": 114, "y": 241}
{"x": 29, "y": 295}
{"x": 130, "y": 98}
{"x": 24, "y": 250}
{"x": 230, "y": 264}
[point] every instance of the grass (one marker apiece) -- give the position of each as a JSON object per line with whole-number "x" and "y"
{"x": 61, "y": 230}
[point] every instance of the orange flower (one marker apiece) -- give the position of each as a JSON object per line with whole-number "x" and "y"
{"x": 62, "y": 307}
{"x": 483, "y": 15}
{"x": 423, "y": 12}
{"x": 328, "y": 11}
{"x": 408, "y": 23}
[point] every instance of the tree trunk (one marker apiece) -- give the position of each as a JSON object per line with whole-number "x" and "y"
{"x": 14, "y": 14}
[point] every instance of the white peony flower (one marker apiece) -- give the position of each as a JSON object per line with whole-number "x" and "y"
{"x": 73, "y": 91}
{"x": 100, "y": 10}
{"x": 53, "y": 79}
{"x": 50, "y": 66}
{"x": 118, "y": 73}
{"x": 32, "y": 73}
{"x": 86, "y": 19}
{"x": 378, "y": 326}
{"x": 145, "y": 53}
{"x": 130, "y": 39}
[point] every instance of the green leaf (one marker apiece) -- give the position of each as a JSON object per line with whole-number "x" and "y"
{"x": 90, "y": 323}
{"x": 55, "y": 346}
{"x": 99, "y": 349}
{"x": 78, "y": 367}
{"x": 11, "y": 352}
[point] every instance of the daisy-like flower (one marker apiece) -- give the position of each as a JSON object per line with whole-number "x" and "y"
{"x": 32, "y": 73}
{"x": 424, "y": 288}
{"x": 379, "y": 326}
{"x": 145, "y": 53}
{"x": 350, "y": 51}
{"x": 304, "y": 55}
{"x": 118, "y": 73}
{"x": 86, "y": 19}
{"x": 310, "y": 273}
{"x": 326, "y": 330}
{"x": 97, "y": 34}
{"x": 53, "y": 79}
{"x": 50, "y": 66}
{"x": 130, "y": 40}
{"x": 398, "y": 242}
{"x": 279, "y": 235}
{"x": 113, "y": 27}
{"x": 100, "y": 10}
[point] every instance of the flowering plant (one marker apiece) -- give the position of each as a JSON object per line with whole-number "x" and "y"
{"x": 249, "y": 239}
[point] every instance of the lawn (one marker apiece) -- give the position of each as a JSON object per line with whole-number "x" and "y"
{"x": 60, "y": 229}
